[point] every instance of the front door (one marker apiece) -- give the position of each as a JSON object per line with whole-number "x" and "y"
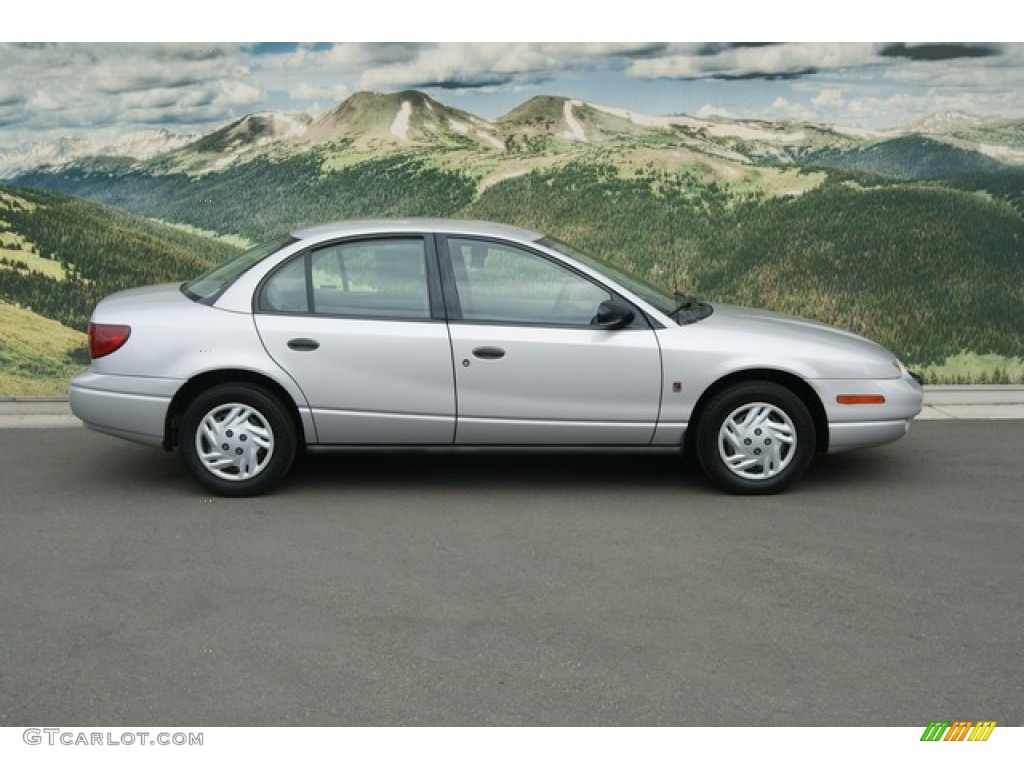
{"x": 530, "y": 368}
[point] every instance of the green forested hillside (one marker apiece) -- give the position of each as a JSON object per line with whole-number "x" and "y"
{"x": 263, "y": 198}
{"x": 907, "y": 158}
{"x": 1008, "y": 186}
{"x": 89, "y": 251}
{"x": 927, "y": 270}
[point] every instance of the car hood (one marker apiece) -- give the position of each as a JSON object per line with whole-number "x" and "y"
{"x": 754, "y": 338}
{"x": 779, "y": 323}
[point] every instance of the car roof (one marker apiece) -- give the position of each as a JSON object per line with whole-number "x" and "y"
{"x": 419, "y": 225}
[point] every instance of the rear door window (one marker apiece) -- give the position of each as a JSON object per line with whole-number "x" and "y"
{"x": 385, "y": 278}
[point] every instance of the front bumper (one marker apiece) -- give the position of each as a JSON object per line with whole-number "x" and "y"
{"x": 865, "y": 426}
{"x": 865, "y": 434}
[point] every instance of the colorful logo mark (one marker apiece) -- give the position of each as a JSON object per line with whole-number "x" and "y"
{"x": 958, "y": 730}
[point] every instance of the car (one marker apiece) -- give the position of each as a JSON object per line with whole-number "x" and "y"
{"x": 471, "y": 335}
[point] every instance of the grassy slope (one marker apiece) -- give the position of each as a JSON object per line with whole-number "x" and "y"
{"x": 37, "y": 355}
{"x": 14, "y": 247}
{"x": 971, "y": 368}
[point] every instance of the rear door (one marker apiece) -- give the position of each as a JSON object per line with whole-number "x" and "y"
{"x": 530, "y": 367}
{"x": 359, "y": 324}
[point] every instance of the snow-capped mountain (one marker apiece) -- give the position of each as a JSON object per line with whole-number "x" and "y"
{"x": 405, "y": 118}
{"x": 536, "y": 133}
{"x": 139, "y": 145}
{"x": 244, "y": 138}
{"x": 40, "y": 154}
{"x": 947, "y": 122}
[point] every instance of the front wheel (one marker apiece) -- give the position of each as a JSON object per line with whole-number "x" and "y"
{"x": 755, "y": 437}
{"x": 237, "y": 440}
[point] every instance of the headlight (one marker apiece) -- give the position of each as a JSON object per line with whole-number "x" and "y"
{"x": 904, "y": 370}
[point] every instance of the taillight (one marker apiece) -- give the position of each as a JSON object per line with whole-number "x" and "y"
{"x": 104, "y": 339}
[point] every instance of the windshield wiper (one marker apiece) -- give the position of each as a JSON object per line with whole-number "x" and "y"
{"x": 696, "y": 310}
{"x": 685, "y": 301}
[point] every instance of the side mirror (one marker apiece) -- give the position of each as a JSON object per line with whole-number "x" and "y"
{"x": 612, "y": 314}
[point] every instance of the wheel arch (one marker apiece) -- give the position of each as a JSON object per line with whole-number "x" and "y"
{"x": 208, "y": 379}
{"x": 790, "y": 381}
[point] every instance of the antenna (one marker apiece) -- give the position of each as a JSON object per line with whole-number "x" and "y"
{"x": 676, "y": 288}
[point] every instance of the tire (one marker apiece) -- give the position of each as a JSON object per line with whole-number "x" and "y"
{"x": 755, "y": 437}
{"x": 237, "y": 440}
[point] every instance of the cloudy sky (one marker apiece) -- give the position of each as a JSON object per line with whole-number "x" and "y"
{"x": 101, "y": 90}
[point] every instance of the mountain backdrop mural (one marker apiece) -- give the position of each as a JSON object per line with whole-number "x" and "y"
{"x": 911, "y": 236}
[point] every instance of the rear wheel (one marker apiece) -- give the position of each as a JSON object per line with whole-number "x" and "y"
{"x": 755, "y": 437}
{"x": 237, "y": 440}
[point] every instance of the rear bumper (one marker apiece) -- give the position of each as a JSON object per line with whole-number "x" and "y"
{"x": 131, "y": 407}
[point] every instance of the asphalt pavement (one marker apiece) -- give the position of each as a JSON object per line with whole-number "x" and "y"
{"x": 439, "y": 589}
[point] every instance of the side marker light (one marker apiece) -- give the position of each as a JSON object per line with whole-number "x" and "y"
{"x": 860, "y": 399}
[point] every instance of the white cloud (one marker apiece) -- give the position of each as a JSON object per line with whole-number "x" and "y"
{"x": 477, "y": 64}
{"x": 343, "y": 59}
{"x": 41, "y": 101}
{"x": 828, "y": 97}
{"x": 237, "y": 92}
{"x": 72, "y": 86}
{"x": 461, "y": 63}
{"x": 782, "y": 108}
{"x": 710, "y": 111}
{"x": 787, "y": 59}
{"x": 330, "y": 92}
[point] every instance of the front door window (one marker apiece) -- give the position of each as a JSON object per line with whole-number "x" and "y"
{"x": 499, "y": 283}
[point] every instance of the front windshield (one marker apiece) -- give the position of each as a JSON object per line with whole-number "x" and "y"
{"x": 656, "y": 297}
{"x": 209, "y": 285}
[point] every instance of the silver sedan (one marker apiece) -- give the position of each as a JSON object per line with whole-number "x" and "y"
{"x": 471, "y": 335}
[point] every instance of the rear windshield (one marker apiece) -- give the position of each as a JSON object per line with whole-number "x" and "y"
{"x": 209, "y": 285}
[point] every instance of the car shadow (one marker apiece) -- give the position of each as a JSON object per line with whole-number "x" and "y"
{"x": 495, "y": 471}
{"x": 136, "y": 468}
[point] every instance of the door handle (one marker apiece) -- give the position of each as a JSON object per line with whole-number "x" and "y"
{"x": 303, "y": 345}
{"x": 489, "y": 353}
